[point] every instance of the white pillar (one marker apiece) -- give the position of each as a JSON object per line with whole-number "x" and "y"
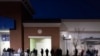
{"x": 62, "y": 45}
{"x": 0, "y": 45}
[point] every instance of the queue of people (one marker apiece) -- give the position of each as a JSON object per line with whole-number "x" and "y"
{"x": 53, "y": 52}
{"x": 92, "y": 52}
{"x": 58, "y": 52}
{"x": 8, "y": 52}
{"x": 88, "y": 52}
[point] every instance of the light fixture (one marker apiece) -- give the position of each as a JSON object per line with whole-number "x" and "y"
{"x": 65, "y": 35}
{"x": 39, "y": 31}
{"x": 69, "y": 36}
{"x": 4, "y": 31}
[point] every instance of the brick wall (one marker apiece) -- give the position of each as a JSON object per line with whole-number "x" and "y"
{"x": 46, "y": 31}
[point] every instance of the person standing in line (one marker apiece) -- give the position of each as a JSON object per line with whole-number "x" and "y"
{"x": 9, "y": 51}
{"x": 96, "y": 52}
{"x": 67, "y": 52}
{"x": 42, "y": 52}
{"x": 82, "y": 53}
{"x": 52, "y": 52}
{"x": 47, "y": 51}
{"x": 33, "y": 52}
{"x": 88, "y": 52}
{"x": 19, "y": 51}
{"x": 28, "y": 51}
{"x": 57, "y": 52}
{"x": 60, "y": 51}
{"x": 36, "y": 52}
{"x": 76, "y": 52}
{"x": 4, "y": 52}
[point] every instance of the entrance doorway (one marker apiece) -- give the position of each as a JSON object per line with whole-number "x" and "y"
{"x": 4, "y": 40}
{"x": 39, "y": 42}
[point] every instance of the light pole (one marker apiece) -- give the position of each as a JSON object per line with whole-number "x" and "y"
{"x": 66, "y": 37}
{"x": 0, "y": 44}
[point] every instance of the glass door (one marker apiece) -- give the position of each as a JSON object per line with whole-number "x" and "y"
{"x": 4, "y": 40}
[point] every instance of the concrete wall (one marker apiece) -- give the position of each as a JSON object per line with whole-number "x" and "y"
{"x": 68, "y": 44}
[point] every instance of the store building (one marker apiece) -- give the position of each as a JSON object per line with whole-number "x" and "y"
{"x": 57, "y": 33}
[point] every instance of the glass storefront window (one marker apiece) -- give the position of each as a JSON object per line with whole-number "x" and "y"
{"x": 4, "y": 40}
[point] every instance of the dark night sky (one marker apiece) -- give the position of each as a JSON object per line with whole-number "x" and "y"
{"x": 66, "y": 9}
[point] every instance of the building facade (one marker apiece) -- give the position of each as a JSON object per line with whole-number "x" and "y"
{"x": 31, "y": 33}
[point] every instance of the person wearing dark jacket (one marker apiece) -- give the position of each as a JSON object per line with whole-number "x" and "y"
{"x": 59, "y": 52}
{"x": 82, "y": 53}
{"x": 52, "y": 52}
{"x": 42, "y": 52}
{"x": 9, "y": 51}
{"x": 67, "y": 52}
{"x": 76, "y": 52}
{"x": 4, "y": 50}
{"x": 46, "y": 51}
{"x": 35, "y": 52}
{"x": 96, "y": 52}
{"x": 88, "y": 52}
{"x": 28, "y": 51}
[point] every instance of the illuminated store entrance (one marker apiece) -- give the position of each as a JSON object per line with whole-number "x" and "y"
{"x": 4, "y": 40}
{"x": 39, "y": 42}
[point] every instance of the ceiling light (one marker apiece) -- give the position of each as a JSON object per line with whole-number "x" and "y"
{"x": 4, "y": 31}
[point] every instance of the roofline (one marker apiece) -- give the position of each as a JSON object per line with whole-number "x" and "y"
{"x": 42, "y": 24}
{"x": 80, "y": 20}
